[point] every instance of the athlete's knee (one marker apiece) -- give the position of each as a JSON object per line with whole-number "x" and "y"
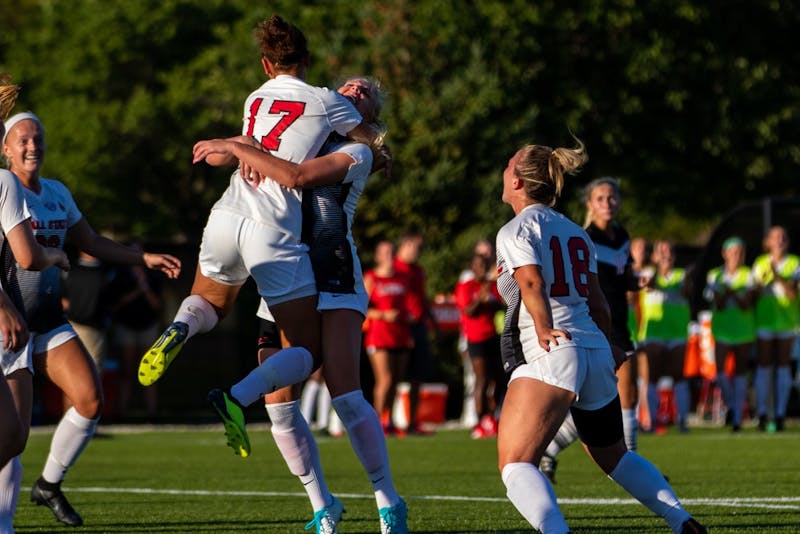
{"x": 89, "y": 407}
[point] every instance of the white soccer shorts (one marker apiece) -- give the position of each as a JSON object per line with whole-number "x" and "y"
{"x": 589, "y": 373}
{"x": 235, "y": 247}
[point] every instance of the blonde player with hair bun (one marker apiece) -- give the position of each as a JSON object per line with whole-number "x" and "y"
{"x": 555, "y": 348}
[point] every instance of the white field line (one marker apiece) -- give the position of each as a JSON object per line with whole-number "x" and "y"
{"x": 772, "y": 503}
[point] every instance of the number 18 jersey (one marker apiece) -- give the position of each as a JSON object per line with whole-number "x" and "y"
{"x": 541, "y": 236}
{"x": 292, "y": 120}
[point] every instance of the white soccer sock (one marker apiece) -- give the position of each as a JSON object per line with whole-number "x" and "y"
{"x": 198, "y": 314}
{"x": 567, "y": 435}
{"x": 72, "y": 435}
{"x": 783, "y": 388}
{"x": 761, "y": 383}
{"x": 630, "y": 427}
{"x": 296, "y": 443}
{"x": 335, "y": 427}
{"x": 368, "y": 442}
{"x": 641, "y": 479}
{"x": 10, "y": 481}
{"x": 739, "y": 395}
{"x": 682, "y": 400}
{"x": 284, "y": 368}
{"x": 533, "y": 496}
{"x": 323, "y": 407}
{"x": 308, "y": 399}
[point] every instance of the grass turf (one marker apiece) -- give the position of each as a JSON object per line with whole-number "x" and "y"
{"x": 187, "y": 480}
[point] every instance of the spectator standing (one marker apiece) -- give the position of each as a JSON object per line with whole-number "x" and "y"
{"x": 406, "y": 264}
{"x": 469, "y": 418}
{"x": 388, "y": 335}
{"x": 663, "y": 329}
{"x": 642, "y": 270}
{"x": 478, "y": 301}
{"x": 731, "y": 291}
{"x": 777, "y": 317}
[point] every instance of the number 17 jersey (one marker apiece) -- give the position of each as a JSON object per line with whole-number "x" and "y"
{"x": 292, "y": 120}
{"x": 541, "y": 236}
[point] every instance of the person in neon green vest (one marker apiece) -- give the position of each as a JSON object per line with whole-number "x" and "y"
{"x": 777, "y": 317}
{"x": 663, "y": 327}
{"x": 731, "y": 290}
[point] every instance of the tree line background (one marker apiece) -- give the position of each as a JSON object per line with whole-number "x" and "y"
{"x": 692, "y": 104}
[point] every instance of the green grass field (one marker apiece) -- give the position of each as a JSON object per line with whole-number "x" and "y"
{"x": 187, "y": 480}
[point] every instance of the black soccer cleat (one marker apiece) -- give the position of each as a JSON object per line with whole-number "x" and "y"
{"x": 691, "y": 526}
{"x": 50, "y": 495}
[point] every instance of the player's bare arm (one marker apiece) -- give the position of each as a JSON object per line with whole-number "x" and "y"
{"x": 533, "y": 290}
{"x": 12, "y": 325}
{"x": 31, "y": 255}
{"x": 109, "y": 250}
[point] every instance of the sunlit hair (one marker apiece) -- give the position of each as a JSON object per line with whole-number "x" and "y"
{"x": 282, "y": 43}
{"x": 542, "y": 169}
{"x": 8, "y": 95}
{"x": 376, "y": 91}
{"x": 589, "y": 189}
{"x": 377, "y": 139}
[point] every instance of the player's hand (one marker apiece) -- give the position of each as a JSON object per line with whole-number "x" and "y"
{"x": 382, "y": 159}
{"x": 548, "y": 336}
{"x": 12, "y": 326}
{"x": 391, "y": 315}
{"x": 169, "y": 265}
{"x": 250, "y": 175}
{"x": 58, "y": 258}
{"x": 203, "y": 149}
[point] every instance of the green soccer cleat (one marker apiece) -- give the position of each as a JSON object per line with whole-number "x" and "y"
{"x": 394, "y": 519}
{"x": 327, "y": 519}
{"x": 156, "y": 360}
{"x": 232, "y": 417}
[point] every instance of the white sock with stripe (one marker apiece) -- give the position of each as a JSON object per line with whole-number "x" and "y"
{"x": 296, "y": 443}
{"x": 533, "y": 496}
{"x": 641, "y": 479}
{"x": 198, "y": 314}
{"x": 10, "y": 481}
{"x": 286, "y": 367}
{"x": 368, "y": 442}
{"x": 72, "y": 435}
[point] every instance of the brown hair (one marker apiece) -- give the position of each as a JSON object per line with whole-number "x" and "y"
{"x": 282, "y": 43}
{"x": 8, "y": 95}
{"x": 542, "y": 169}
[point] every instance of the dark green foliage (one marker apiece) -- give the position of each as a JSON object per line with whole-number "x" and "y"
{"x": 694, "y": 105}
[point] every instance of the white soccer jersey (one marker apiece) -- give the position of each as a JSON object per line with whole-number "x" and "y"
{"x": 291, "y": 119}
{"x": 37, "y": 294}
{"x": 328, "y": 213}
{"x": 541, "y": 236}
